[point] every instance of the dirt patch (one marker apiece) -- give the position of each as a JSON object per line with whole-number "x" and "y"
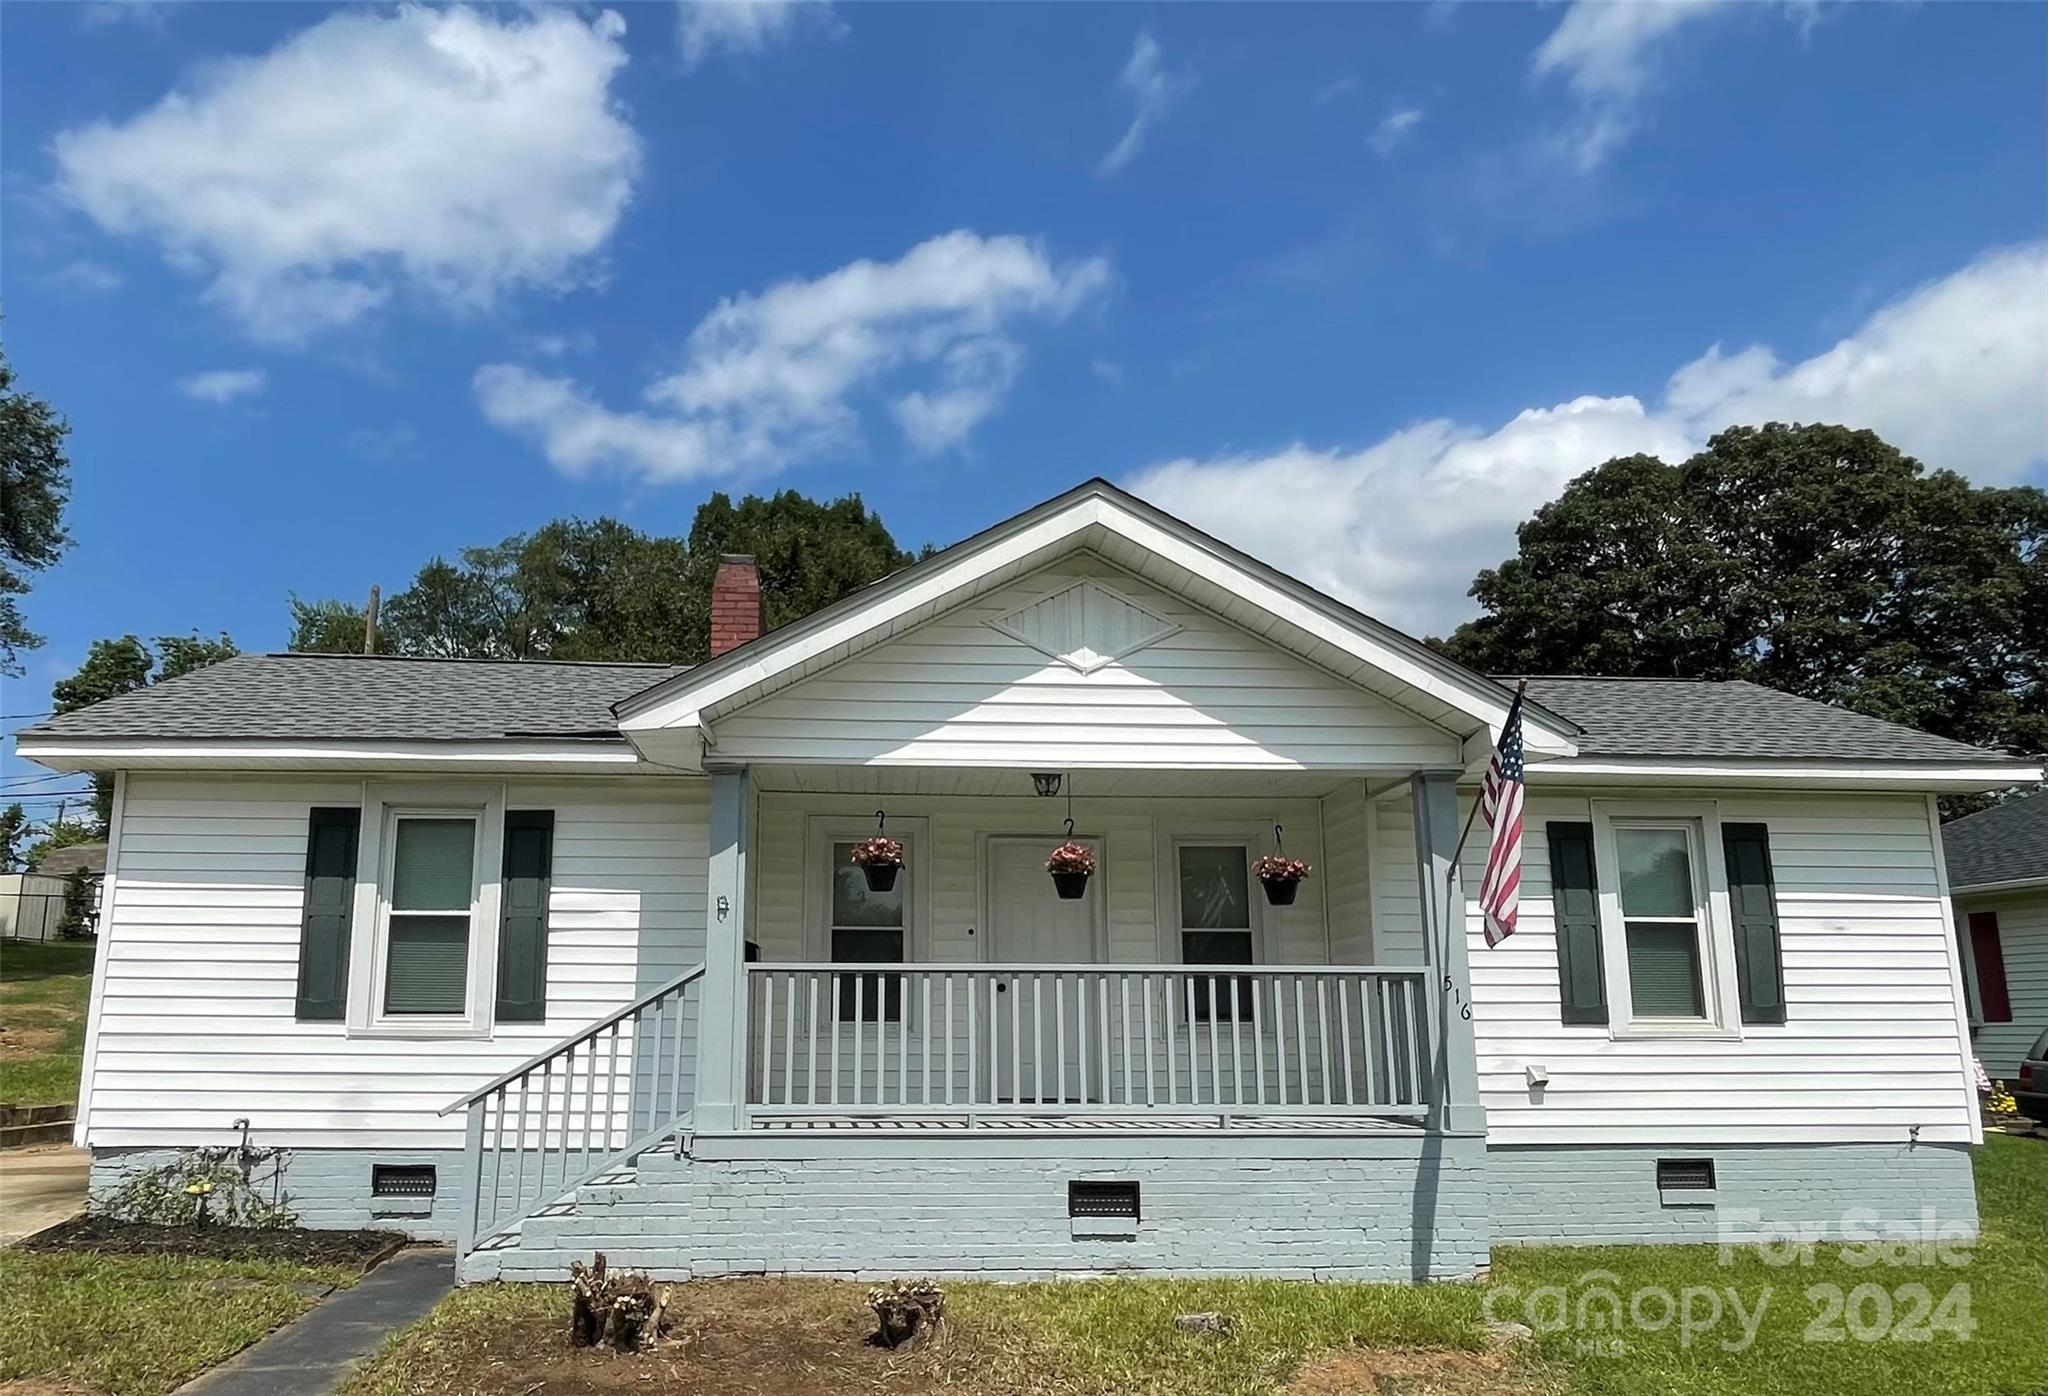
{"x": 1411, "y": 1372}
{"x": 27, "y": 1042}
{"x": 740, "y": 1337}
{"x": 105, "y": 1236}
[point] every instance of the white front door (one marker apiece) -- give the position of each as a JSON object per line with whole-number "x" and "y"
{"x": 1041, "y": 1014}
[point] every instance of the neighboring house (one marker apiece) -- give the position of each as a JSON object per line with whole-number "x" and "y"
{"x": 1998, "y": 874}
{"x": 561, "y": 957}
{"x": 91, "y": 858}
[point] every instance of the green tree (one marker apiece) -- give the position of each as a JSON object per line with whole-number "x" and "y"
{"x": 326, "y": 627}
{"x": 115, "y": 667}
{"x": 35, "y": 485}
{"x": 1818, "y": 560}
{"x": 602, "y": 590}
{"x": 63, "y": 833}
{"x": 15, "y": 832}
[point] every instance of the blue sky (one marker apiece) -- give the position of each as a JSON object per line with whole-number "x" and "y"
{"x": 327, "y": 292}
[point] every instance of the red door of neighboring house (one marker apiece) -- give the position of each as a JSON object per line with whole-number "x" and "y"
{"x": 1994, "y": 1004}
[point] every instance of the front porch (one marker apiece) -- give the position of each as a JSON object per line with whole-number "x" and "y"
{"x": 828, "y": 1017}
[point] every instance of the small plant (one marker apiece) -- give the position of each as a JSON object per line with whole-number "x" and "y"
{"x": 211, "y": 1186}
{"x": 879, "y": 858}
{"x": 78, "y": 914}
{"x": 1278, "y": 867}
{"x": 1280, "y": 875}
{"x": 1071, "y": 865}
{"x": 1999, "y": 1100}
{"x": 881, "y": 851}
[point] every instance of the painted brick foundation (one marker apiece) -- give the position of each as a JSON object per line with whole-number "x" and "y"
{"x": 1582, "y": 1195}
{"x": 1381, "y": 1209}
{"x": 330, "y": 1188}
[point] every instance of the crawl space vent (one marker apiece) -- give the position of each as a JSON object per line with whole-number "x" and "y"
{"x": 402, "y": 1179}
{"x": 1685, "y": 1174}
{"x": 1091, "y": 1199}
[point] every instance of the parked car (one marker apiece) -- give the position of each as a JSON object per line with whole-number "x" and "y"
{"x": 2031, "y": 1090}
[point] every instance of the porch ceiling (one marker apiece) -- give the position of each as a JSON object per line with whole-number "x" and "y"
{"x": 977, "y": 780}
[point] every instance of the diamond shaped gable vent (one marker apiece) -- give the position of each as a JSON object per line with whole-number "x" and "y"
{"x": 1085, "y": 626}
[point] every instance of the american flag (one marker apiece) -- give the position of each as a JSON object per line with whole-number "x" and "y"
{"x": 1500, "y": 801}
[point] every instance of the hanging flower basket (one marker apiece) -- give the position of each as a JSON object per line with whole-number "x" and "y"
{"x": 1281, "y": 876}
{"x": 879, "y": 859}
{"x": 1070, "y": 866}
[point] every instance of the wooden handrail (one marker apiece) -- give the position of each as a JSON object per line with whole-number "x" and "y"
{"x": 582, "y": 1036}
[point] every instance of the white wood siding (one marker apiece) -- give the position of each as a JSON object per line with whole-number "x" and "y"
{"x": 955, "y": 691}
{"x": 1870, "y": 1045}
{"x": 196, "y": 1024}
{"x": 2023, "y": 933}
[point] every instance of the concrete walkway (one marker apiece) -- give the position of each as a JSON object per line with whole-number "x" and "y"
{"x": 40, "y": 1186}
{"x": 314, "y": 1354}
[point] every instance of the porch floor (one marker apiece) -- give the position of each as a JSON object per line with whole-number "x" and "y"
{"x": 997, "y": 1122}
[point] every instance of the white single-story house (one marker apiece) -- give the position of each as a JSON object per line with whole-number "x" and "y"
{"x": 1998, "y": 873}
{"x": 550, "y": 958}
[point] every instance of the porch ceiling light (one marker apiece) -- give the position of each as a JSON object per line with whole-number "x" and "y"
{"x": 1046, "y": 782}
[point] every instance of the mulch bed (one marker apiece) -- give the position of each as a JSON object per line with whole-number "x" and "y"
{"x": 104, "y": 1236}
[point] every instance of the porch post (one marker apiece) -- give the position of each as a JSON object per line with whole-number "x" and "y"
{"x": 1454, "y": 1085}
{"x": 722, "y": 1014}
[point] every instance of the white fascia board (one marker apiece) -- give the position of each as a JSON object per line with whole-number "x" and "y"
{"x": 690, "y": 697}
{"x": 1396, "y": 661}
{"x": 1818, "y": 775}
{"x": 2016, "y": 884}
{"x": 115, "y": 754}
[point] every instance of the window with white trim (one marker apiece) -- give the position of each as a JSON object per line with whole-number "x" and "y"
{"x": 1664, "y": 919}
{"x": 1213, "y": 891}
{"x": 866, "y": 926}
{"x": 430, "y": 912}
{"x": 1662, "y": 911}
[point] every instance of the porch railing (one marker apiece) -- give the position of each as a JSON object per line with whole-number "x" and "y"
{"x": 986, "y": 1041}
{"x": 583, "y": 1106}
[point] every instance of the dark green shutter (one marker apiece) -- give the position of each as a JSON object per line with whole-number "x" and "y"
{"x": 330, "y": 903}
{"x": 1759, "y": 970}
{"x": 523, "y": 928}
{"x": 1581, "y": 982}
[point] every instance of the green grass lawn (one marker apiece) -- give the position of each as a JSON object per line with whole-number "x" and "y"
{"x": 141, "y": 1325}
{"x": 43, "y": 994}
{"x": 1093, "y": 1338}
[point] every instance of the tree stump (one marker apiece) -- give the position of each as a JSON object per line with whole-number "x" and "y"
{"x": 907, "y": 1315}
{"x": 614, "y": 1310}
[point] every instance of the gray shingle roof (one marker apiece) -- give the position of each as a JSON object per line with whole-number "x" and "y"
{"x": 2006, "y": 843}
{"x": 339, "y": 697}
{"x": 1695, "y": 718}
{"x": 343, "y": 697}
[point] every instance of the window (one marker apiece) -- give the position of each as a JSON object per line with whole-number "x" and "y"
{"x": 866, "y": 927}
{"x": 1215, "y": 897}
{"x": 1665, "y": 921}
{"x": 1987, "y": 951}
{"x": 431, "y": 903}
{"x": 1661, "y": 918}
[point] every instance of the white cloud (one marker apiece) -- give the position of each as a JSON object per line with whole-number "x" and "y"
{"x": 223, "y": 384}
{"x": 85, "y": 275}
{"x": 1606, "y": 53}
{"x": 436, "y": 150}
{"x": 1153, "y": 91}
{"x": 1394, "y": 128}
{"x": 1955, "y": 373}
{"x": 780, "y": 376}
{"x": 746, "y": 26}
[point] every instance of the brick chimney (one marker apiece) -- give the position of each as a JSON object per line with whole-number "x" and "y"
{"x": 735, "y": 603}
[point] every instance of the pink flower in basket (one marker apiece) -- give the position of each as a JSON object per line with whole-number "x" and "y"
{"x": 1071, "y": 858}
{"x": 880, "y": 851}
{"x": 1276, "y": 867}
